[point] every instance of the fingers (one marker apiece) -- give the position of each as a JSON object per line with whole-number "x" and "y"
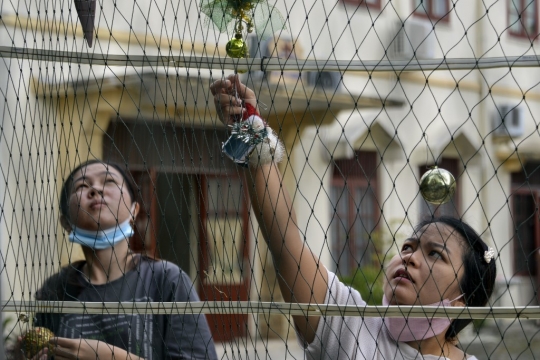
{"x": 230, "y": 96}
{"x": 65, "y": 342}
{"x": 221, "y": 87}
{"x": 42, "y": 355}
{"x": 232, "y": 86}
{"x": 63, "y": 353}
{"x": 228, "y": 107}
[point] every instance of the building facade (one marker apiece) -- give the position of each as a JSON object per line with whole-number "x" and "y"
{"x": 357, "y": 142}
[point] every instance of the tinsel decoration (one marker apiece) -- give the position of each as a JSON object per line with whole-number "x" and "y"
{"x": 34, "y": 340}
{"x": 231, "y": 15}
{"x": 86, "y": 10}
{"x": 250, "y": 132}
{"x": 245, "y": 136}
{"x": 437, "y": 185}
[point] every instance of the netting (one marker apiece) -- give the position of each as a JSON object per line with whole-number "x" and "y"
{"x": 162, "y": 247}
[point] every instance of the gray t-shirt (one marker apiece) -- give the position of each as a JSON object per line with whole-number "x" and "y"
{"x": 149, "y": 336}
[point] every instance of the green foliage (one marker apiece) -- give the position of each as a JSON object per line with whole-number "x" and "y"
{"x": 368, "y": 280}
{"x": 8, "y": 335}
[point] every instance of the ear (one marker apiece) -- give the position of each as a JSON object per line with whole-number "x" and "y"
{"x": 459, "y": 302}
{"x": 65, "y": 223}
{"x": 136, "y": 209}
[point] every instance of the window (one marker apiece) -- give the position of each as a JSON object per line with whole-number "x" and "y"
{"x": 355, "y": 212}
{"x": 525, "y": 227}
{"x": 434, "y": 10}
{"x": 450, "y": 208}
{"x": 526, "y": 221}
{"x": 373, "y": 4}
{"x": 523, "y": 18}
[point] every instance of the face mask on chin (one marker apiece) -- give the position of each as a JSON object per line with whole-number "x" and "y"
{"x": 102, "y": 239}
{"x": 417, "y": 329}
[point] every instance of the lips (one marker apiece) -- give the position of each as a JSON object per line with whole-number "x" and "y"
{"x": 96, "y": 204}
{"x": 403, "y": 274}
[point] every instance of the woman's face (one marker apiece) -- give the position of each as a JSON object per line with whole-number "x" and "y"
{"x": 99, "y": 198}
{"x": 428, "y": 268}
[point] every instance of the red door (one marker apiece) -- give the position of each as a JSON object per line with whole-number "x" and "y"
{"x": 144, "y": 239}
{"x": 224, "y": 248}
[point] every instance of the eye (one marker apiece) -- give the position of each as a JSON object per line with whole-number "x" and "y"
{"x": 435, "y": 254}
{"x": 406, "y": 247}
{"x": 111, "y": 181}
{"x": 80, "y": 186}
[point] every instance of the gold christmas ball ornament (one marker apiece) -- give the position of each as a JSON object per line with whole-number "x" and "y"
{"x": 34, "y": 340}
{"x": 237, "y": 48}
{"x": 437, "y": 186}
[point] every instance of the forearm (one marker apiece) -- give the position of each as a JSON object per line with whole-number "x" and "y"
{"x": 121, "y": 354}
{"x": 115, "y": 353}
{"x": 302, "y": 278}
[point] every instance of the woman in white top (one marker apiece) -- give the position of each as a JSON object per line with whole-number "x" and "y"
{"x": 444, "y": 262}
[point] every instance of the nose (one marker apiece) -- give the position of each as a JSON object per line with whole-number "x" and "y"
{"x": 94, "y": 191}
{"x": 410, "y": 259}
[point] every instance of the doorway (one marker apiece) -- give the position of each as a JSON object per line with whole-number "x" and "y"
{"x": 194, "y": 209}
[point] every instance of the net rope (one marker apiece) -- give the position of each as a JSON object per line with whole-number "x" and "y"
{"x": 366, "y": 96}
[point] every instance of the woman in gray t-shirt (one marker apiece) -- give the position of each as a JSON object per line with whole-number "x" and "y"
{"x": 98, "y": 208}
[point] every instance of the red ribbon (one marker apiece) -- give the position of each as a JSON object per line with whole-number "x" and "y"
{"x": 250, "y": 110}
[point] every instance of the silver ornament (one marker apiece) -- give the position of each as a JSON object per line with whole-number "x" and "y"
{"x": 437, "y": 186}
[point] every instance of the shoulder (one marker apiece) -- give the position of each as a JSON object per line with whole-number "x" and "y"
{"x": 166, "y": 274}
{"x": 341, "y": 294}
{"x": 60, "y": 280}
{"x": 160, "y": 268}
{"x": 175, "y": 283}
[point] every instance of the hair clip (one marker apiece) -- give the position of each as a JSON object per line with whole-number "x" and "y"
{"x": 489, "y": 254}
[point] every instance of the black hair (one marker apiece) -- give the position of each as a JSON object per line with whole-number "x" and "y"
{"x": 65, "y": 193}
{"x": 478, "y": 280}
{"x": 68, "y": 286}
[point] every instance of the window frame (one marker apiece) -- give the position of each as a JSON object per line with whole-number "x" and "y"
{"x": 518, "y": 242}
{"x": 526, "y": 183}
{"x": 348, "y": 183}
{"x": 363, "y": 3}
{"x": 428, "y": 14}
{"x": 522, "y": 33}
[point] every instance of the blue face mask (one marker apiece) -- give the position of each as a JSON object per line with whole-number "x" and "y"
{"x": 102, "y": 239}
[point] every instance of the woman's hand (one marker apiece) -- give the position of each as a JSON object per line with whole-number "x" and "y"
{"x": 83, "y": 349}
{"x": 229, "y": 96}
{"x": 20, "y": 355}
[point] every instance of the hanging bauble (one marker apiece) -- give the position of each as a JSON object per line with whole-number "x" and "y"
{"x": 237, "y": 48}
{"x": 34, "y": 340}
{"x": 437, "y": 186}
{"x": 260, "y": 17}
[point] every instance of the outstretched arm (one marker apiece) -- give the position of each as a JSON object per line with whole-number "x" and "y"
{"x": 302, "y": 278}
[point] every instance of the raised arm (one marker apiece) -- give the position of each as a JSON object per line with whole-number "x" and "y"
{"x": 302, "y": 278}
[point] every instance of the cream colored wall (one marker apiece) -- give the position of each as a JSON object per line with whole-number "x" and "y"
{"x": 28, "y": 158}
{"x": 80, "y": 137}
{"x": 484, "y": 195}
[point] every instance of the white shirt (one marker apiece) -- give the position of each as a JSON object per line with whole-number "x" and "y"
{"x": 354, "y": 337}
